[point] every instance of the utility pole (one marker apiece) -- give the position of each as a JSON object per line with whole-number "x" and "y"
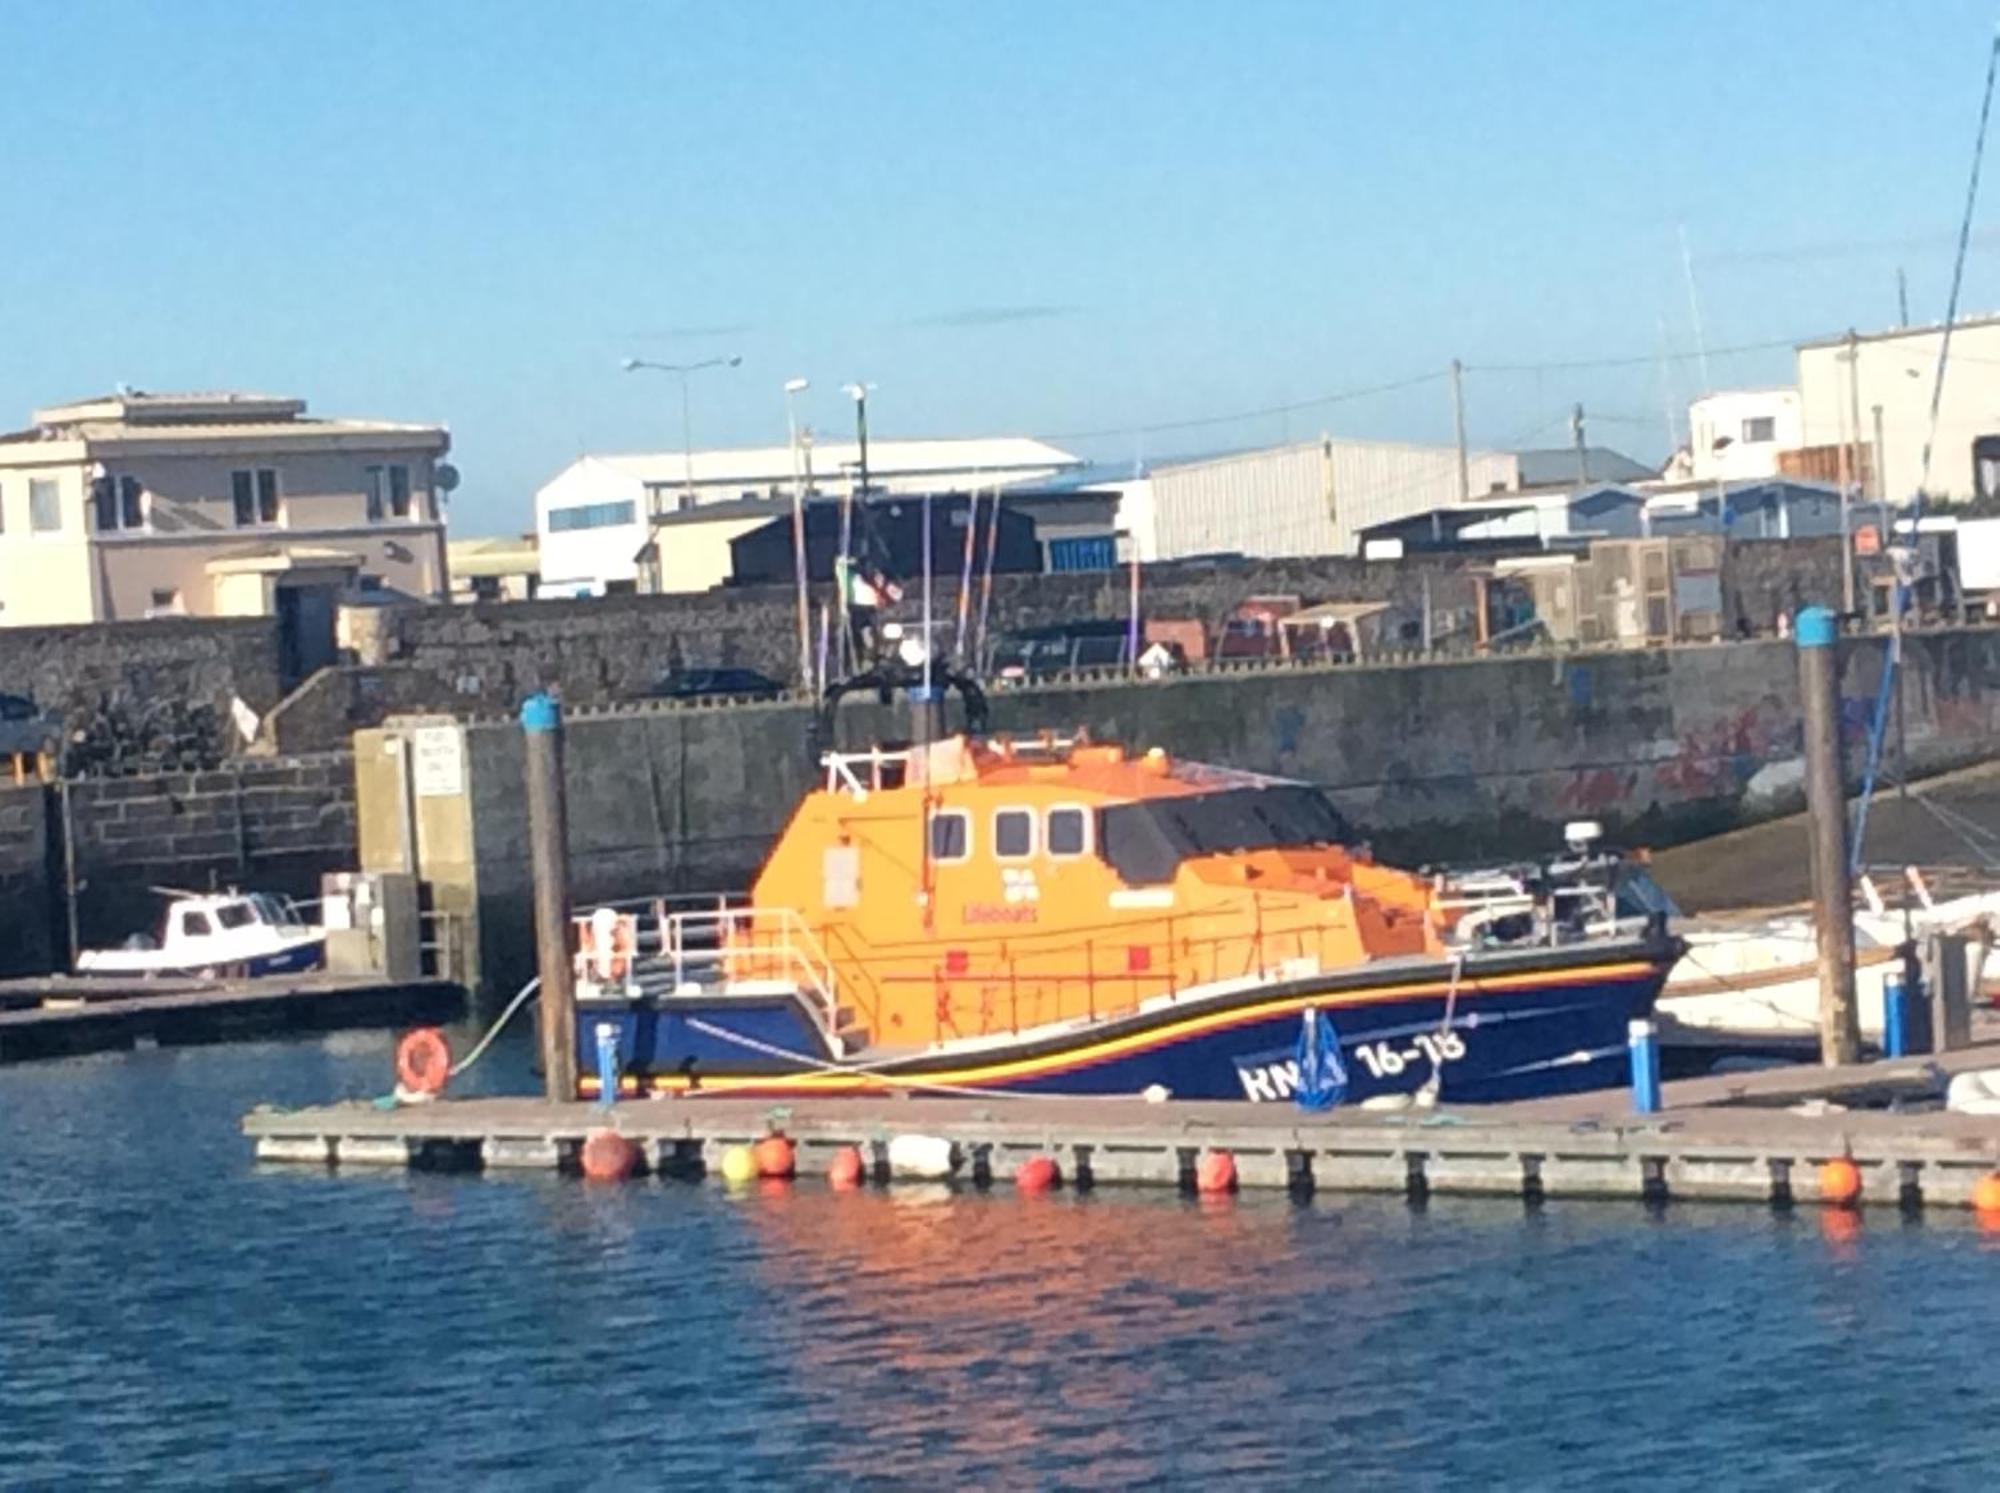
{"x": 1902, "y": 297}
{"x": 1582, "y": 451}
{"x": 793, "y": 387}
{"x": 1846, "y": 476}
{"x": 1458, "y": 424}
{"x": 1881, "y": 479}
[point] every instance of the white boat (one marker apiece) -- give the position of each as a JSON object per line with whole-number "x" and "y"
{"x": 1757, "y": 976}
{"x": 216, "y": 935}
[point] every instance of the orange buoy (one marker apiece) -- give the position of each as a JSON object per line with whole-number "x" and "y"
{"x": 1986, "y": 1195}
{"x": 1840, "y": 1181}
{"x": 774, "y": 1157}
{"x": 1037, "y": 1174}
{"x": 423, "y": 1061}
{"x": 1215, "y": 1172}
{"x": 608, "y": 1156}
{"x": 846, "y": 1169}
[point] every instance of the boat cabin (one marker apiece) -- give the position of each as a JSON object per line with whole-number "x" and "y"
{"x": 983, "y": 886}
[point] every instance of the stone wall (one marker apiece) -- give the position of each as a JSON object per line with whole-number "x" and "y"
{"x": 274, "y": 825}
{"x": 205, "y": 660}
{"x": 30, "y": 915}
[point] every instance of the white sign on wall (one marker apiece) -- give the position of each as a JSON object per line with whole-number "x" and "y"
{"x": 438, "y": 757}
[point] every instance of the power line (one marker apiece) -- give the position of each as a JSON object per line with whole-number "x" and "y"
{"x": 1257, "y": 414}
{"x": 1642, "y": 361}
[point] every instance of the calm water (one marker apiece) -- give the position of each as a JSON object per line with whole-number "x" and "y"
{"x": 170, "y": 1315}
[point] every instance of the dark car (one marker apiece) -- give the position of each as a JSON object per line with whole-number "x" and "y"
{"x": 24, "y": 730}
{"x": 715, "y": 684}
{"x": 1044, "y": 652}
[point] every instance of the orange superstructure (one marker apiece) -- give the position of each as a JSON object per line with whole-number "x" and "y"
{"x": 978, "y": 887}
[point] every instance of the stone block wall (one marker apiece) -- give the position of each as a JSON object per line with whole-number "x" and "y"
{"x": 274, "y": 825}
{"x": 195, "y": 660}
{"x": 30, "y": 914}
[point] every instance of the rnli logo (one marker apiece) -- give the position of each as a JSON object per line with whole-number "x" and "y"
{"x": 1268, "y": 1078}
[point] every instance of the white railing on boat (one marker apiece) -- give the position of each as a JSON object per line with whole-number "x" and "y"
{"x": 715, "y": 948}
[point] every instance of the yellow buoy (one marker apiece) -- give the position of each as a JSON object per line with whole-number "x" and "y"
{"x": 739, "y": 1165}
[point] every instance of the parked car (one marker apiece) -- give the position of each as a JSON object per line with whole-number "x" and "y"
{"x": 1065, "y": 647}
{"x": 714, "y": 684}
{"x": 24, "y": 730}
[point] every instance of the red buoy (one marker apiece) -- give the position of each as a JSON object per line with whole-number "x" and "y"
{"x": 845, "y": 1170}
{"x": 1037, "y": 1174}
{"x": 1986, "y": 1197}
{"x": 1215, "y": 1172}
{"x": 423, "y": 1061}
{"x": 1840, "y": 1182}
{"x": 608, "y": 1156}
{"x": 774, "y": 1157}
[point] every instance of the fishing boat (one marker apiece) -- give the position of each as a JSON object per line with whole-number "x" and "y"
{"x": 1057, "y": 915}
{"x": 218, "y": 934}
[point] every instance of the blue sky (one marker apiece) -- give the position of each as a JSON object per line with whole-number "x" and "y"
{"x": 1044, "y": 218}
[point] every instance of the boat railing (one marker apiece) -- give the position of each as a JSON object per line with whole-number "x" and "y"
{"x": 862, "y": 773}
{"x": 719, "y": 944}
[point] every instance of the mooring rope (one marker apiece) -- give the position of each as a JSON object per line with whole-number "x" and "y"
{"x": 520, "y": 999}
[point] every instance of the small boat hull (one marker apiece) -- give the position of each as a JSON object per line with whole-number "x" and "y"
{"x": 303, "y": 954}
{"x": 1514, "y": 1028}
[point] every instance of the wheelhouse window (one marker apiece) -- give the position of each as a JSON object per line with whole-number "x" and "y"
{"x": 951, "y": 835}
{"x": 1013, "y": 834}
{"x": 1068, "y": 832}
{"x": 195, "y": 925}
{"x": 254, "y": 494}
{"x": 235, "y": 915}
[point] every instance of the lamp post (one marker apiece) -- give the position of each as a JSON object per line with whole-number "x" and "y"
{"x": 680, "y": 371}
{"x": 794, "y": 387}
{"x": 858, "y": 392}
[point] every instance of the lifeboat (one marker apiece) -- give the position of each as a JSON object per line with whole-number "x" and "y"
{"x": 1056, "y": 915}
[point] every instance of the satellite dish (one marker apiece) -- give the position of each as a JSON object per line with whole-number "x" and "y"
{"x": 447, "y": 477}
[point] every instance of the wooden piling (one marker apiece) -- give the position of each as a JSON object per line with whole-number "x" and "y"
{"x": 1817, "y": 634}
{"x": 548, "y": 842}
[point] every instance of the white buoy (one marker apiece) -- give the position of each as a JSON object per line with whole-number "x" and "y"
{"x": 924, "y": 1158}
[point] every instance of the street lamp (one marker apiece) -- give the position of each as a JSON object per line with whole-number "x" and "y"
{"x": 681, "y": 371}
{"x": 793, "y": 388}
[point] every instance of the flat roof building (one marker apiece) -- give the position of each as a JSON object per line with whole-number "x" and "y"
{"x": 215, "y": 504}
{"x": 595, "y": 518}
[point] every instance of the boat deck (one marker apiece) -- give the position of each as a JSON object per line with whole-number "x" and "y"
{"x": 63, "y": 1015}
{"x": 1748, "y": 1137}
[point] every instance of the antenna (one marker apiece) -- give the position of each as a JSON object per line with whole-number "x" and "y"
{"x": 1694, "y": 309}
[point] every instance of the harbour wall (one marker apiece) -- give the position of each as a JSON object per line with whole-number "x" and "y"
{"x": 1444, "y": 761}
{"x": 275, "y": 825}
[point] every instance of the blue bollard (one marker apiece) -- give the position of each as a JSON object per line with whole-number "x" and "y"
{"x": 607, "y": 1063}
{"x": 1895, "y": 1015}
{"x": 1643, "y": 1039}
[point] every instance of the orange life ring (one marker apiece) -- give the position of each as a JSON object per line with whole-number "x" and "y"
{"x": 423, "y": 1061}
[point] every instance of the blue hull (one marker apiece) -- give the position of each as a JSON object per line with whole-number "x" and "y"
{"x": 1513, "y": 1031}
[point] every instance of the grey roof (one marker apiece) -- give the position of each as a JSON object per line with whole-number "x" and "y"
{"x": 704, "y": 513}
{"x": 1553, "y": 466}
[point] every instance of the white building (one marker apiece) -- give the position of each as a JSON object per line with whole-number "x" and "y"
{"x": 1736, "y": 434}
{"x": 594, "y": 518}
{"x": 1312, "y": 498}
{"x": 1893, "y": 372}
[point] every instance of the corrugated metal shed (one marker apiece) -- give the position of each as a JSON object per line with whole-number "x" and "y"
{"x": 1313, "y": 498}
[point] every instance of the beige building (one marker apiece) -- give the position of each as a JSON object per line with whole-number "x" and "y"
{"x": 143, "y": 505}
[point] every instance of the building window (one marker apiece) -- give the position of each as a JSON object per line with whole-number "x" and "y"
{"x": 1013, "y": 834}
{"x": 118, "y": 503}
{"x": 255, "y": 495}
{"x": 1760, "y": 430}
{"x": 166, "y": 603}
{"x": 1083, "y": 552}
{"x": 44, "y": 505}
{"x": 592, "y": 516}
{"x": 951, "y": 835}
{"x": 388, "y": 493}
{"x": 1068, "y": 831}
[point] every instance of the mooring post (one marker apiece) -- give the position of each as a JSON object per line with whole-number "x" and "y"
{"x": 1642, "y": 1042}
{"x": 548, "y": 845}
{"x": 1816, "y": 635}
